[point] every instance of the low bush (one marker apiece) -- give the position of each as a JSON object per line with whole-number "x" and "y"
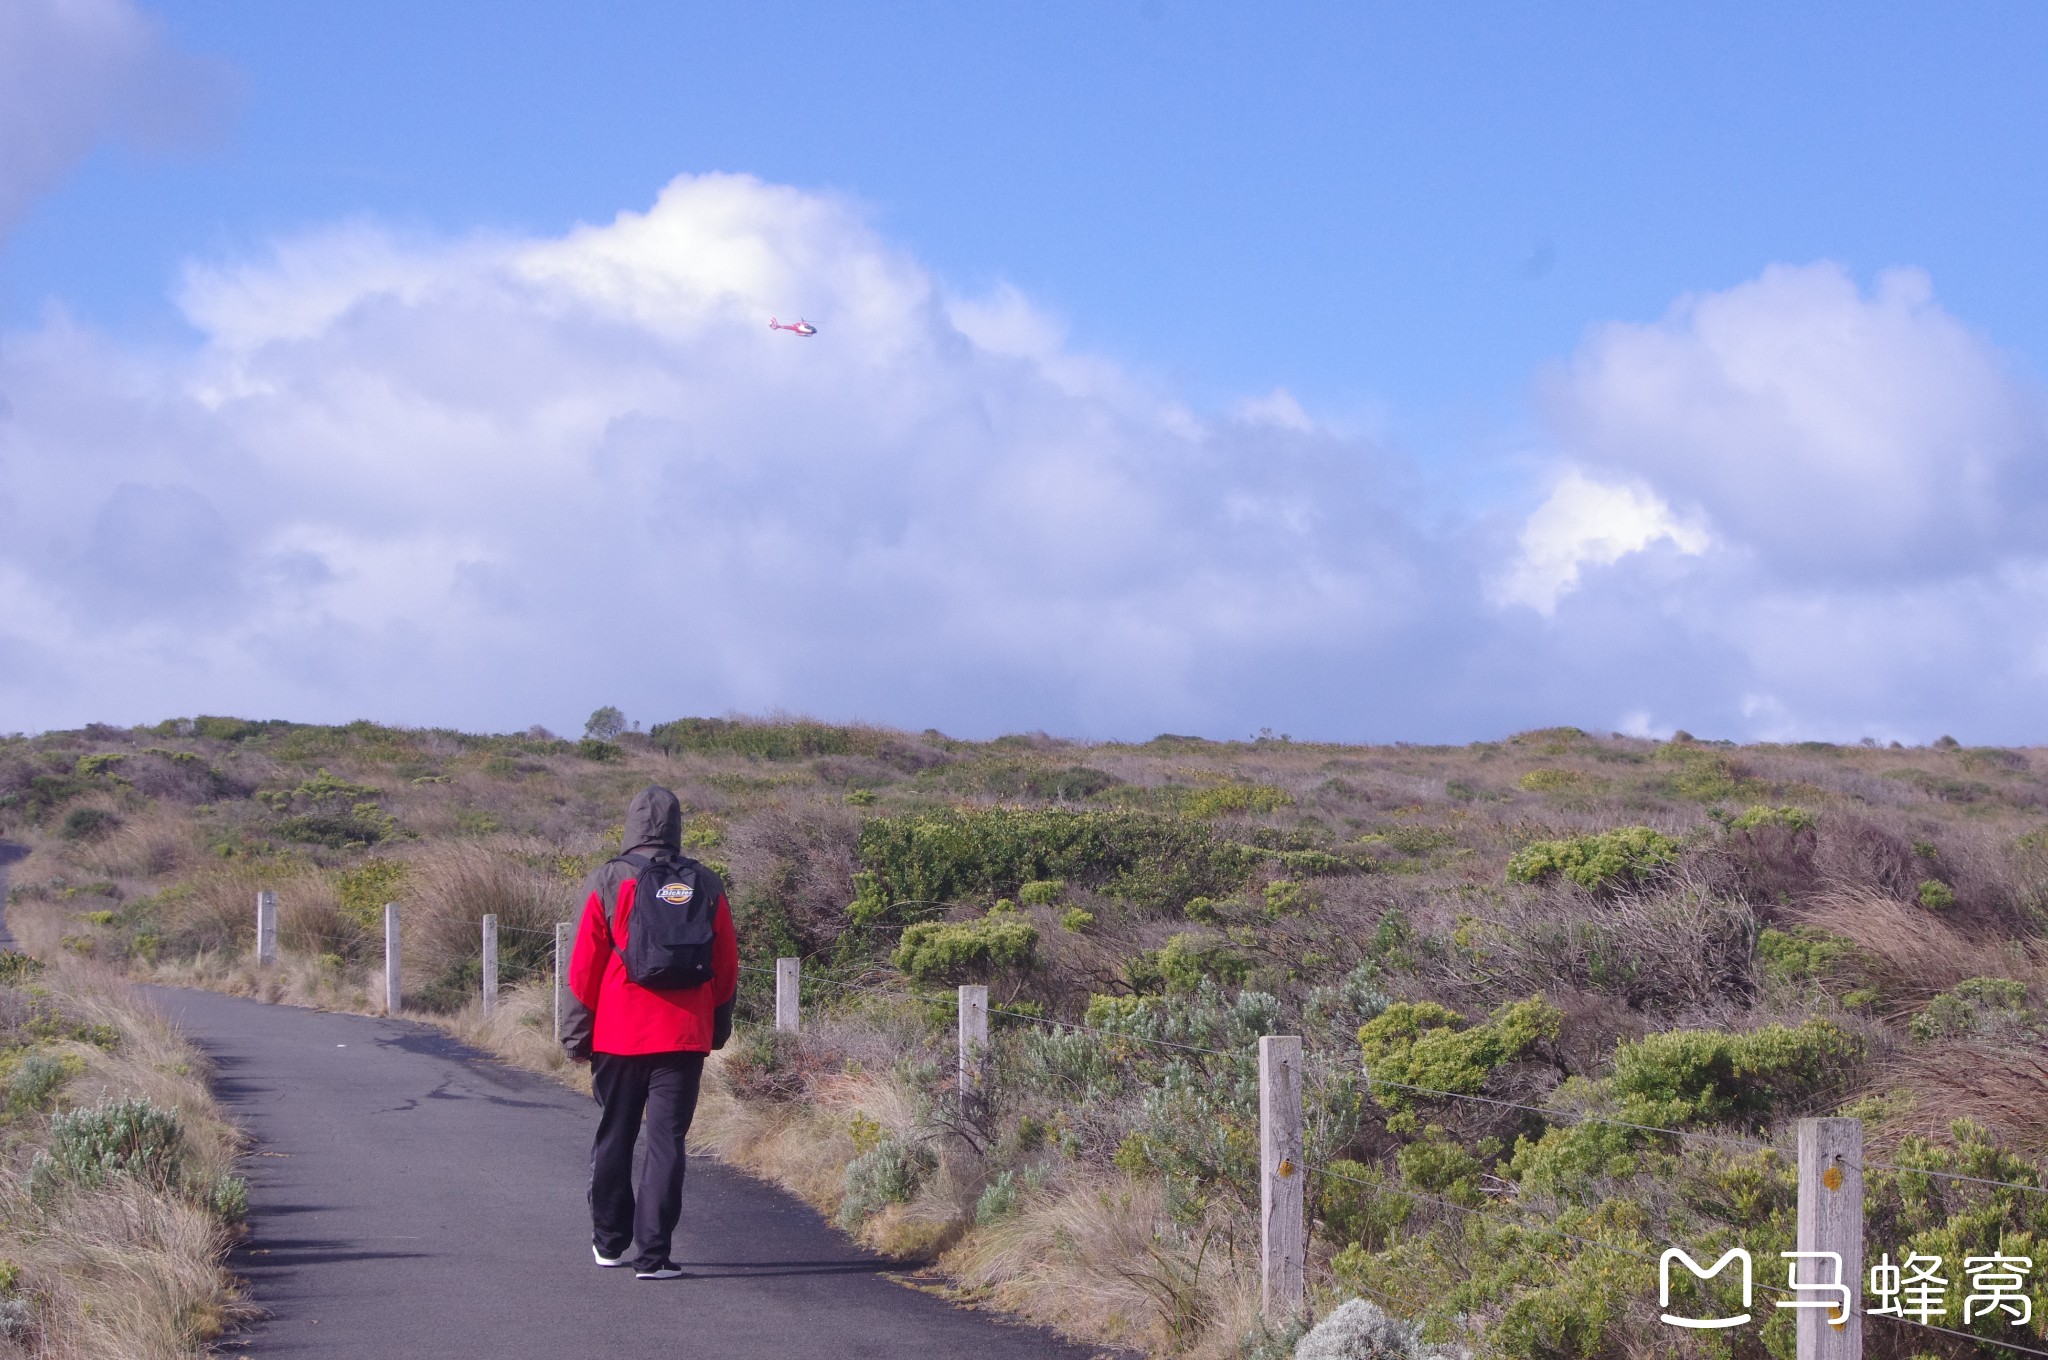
{"x": 1361, "y": 1330}
{"x": 126, "y": 1137}
{"x": 968, "y": 853}
{"x": 1360, "y": 1204}
{"x": 1559, "y": 781}
{"x": 1181, "y": 966}
{"x": 1229, "y": 800}
{"x": 87, "y": 823}
{"x": 1762, "y": 815}
{"x": 365, "y": 889}
{"x": 1423, "y": 1044}
{"x": 797, "y": 740}
{"x": 1935, "y": 895}
{"x": 1691, "y": 1076}
{"x": 34, "y": 1082}
{"x": 1799, "y": 953}
{"x": 1972, "y": 1006}
{"x": 1606, "y": 859}
{"x": 890, "y": 1172}
{"x": 942, "y": 951}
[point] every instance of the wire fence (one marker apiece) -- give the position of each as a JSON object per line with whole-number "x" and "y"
{"x": 1498, "y": 1209}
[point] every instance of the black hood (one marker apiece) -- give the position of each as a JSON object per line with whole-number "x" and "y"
{"x": 655, "y": 818}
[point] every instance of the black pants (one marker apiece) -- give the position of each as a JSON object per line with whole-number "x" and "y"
{"x": 663, "y": 1086}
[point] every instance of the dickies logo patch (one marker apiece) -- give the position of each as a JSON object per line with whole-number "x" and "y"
{"x": 676, "y": 894}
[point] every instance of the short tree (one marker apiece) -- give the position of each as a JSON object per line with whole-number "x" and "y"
{"x": 605, "y": 724}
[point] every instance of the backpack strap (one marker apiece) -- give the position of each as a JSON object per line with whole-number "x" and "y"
{"x": 639, "y": 864}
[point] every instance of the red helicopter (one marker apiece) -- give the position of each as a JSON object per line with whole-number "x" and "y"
{"x": 801, "y": 327}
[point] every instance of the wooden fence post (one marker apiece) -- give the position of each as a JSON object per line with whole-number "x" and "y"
{"x": 973, "y": 1040}
{"x": 565, "y": 942}
{"x": 1830, "y": 1220}
{"x": 1283, "y": 1220}
{"x": 266, "y": 930}
{"x": 788, "y": 973}
{"x": 391, "y": 992}
{"x": 490, "y": 966}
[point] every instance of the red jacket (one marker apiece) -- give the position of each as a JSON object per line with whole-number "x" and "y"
{"x": 606, "y": 1013}
{"x": 628, "y": 1018}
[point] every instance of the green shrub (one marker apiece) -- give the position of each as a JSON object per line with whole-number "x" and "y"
{"x": 1705, "y": 776}
{"x": 16, "y": 967}
{"x": 798, "y": 740}
{"x": 229, "y": 1200}
{"x": 128, "y": 1137}
{"x": 1761, "y": 815}
{"x": 1285, "y": 897}
{"x": 35, "y": 1082}
{"x": 91, "y": 767}
{"x": 1041, "y": 892}
{"x": 1358, "y": 1204}
{"x": 229, "y": 729}
{"x": 86, "y": 823}
{"x": 365, "y": 889}
{"x": 1800, "y": 954}
{"x": 1559, "y": 781}
{"x": 965, "y": 853}
{"x": 366, "y": 826}
{"x": 1224, "y": 800}
{"x": 1423, "y": 1044}
{"x": 1179, "y": 968}
{"x": 603, "y": 752}
{"x": 1077, "y": 919}
{"x": 1971, "y": 1006}
{"x": 945, "y": 951}
{"x": 1438, "y": 1166}
{"x": 888, "y": 1173}
{"x": 1712, "y": 1076}
{"x": 1936, "y": 895}
{"x": 1604, "y": 859}
{"x": 999, "y": 1200}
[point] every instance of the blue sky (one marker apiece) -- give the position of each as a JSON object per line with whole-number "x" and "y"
{"x": 1491, "y": 286}
{"x": 1385, "y": 208}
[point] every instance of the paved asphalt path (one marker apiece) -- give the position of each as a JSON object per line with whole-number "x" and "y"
{"x": 409, "y": 1197}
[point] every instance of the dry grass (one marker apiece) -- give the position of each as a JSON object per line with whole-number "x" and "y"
{"x": 1911, "y": 953}
{"x": 129, "y": 1271}
{"x": 1101, "y": 1260}
{"x": 2000, "y": 1086}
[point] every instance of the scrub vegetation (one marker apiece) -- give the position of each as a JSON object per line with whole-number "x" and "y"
{"x": 1546, "y": 949}
{"x": 118, "y": 1198}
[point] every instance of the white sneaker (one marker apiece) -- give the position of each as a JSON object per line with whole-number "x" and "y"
{"x": 609, "y": 1261}
{"x": 667, "y": 1270}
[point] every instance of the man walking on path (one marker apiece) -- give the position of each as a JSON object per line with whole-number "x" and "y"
{"x": 646, "y": 1040}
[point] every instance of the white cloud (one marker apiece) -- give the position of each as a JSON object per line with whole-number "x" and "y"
{"x": 1839, "y": 435}
{"x": 491, "y": 480}
{"x": 1584, "y": 522}
{"x": 74, "y": 71}
{"x": 480, "y": 480}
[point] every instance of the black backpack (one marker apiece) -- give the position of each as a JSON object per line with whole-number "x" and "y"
{"x": 668, "y": 940}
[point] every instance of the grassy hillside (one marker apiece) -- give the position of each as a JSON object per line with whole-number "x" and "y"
{"x": 1683, "y": 934}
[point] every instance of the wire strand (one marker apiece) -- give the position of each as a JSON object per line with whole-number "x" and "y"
{"x": 1328, "y": 1174}
{"x": 1950, "y": 1331}
{"x": 1953, "y": 1176}
{"x": 1015, "y": 1015}
{"x": 1574, "y": 1115}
